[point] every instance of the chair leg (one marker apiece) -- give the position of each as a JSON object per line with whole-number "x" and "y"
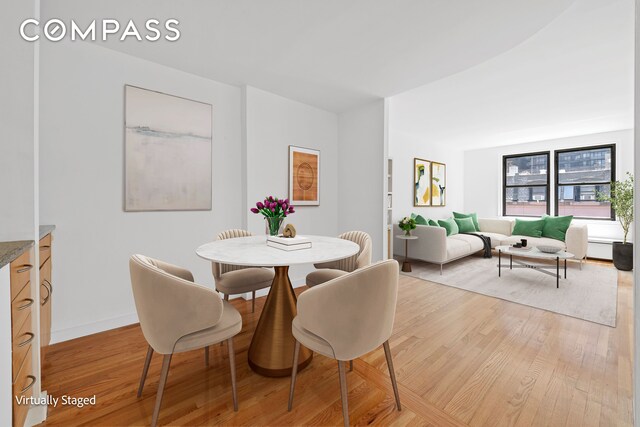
{"x": 147, "y": 362}
{"x": 232, "y": 367}
{"x": 294, "y": 373}
{"x": 441, "y": 269}
{"x": 343, "y": 393}
{"x": 226, "y": 297}
{"x": 392, "y": 374}
{"x": 206, "y": 356}
{"x": 253, "y": 302}
{"x": 163, "y": 380}
{"x": 350, "y": 365}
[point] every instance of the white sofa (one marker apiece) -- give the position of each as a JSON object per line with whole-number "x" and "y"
{"x": 434, "y": 246}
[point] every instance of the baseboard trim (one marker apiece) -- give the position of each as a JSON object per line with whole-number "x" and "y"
{"x": 129, "y": 319}
{"x": 92, "y": 328}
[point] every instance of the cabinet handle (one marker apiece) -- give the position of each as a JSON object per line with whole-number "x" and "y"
{"x": 27, "y": 305}
{"x": 49, "y": 284}
{"x": 42, "y": 248}
{"x": 28, "y": 341}
{"x": 24, "y": 268}
{"x": 46, "y": 300}
{"x": 33, "y": 381}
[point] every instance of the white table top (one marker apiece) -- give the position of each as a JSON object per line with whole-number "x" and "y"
{"x": 534, "y": 253}
{"x": 253, "y": 251}
{"x": 405, "y": 237}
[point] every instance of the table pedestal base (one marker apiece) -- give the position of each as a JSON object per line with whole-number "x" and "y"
{"x": 271, "y": 350}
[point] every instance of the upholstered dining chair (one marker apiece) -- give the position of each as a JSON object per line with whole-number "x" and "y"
{"x": 330, "y": 270}
{"x": 235, "y": 279}
{"x": 346, "y": 318}
{"x": 177, "y": 315}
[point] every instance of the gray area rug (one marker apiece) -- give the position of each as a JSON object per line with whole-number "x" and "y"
{"x": 590, "y": 294}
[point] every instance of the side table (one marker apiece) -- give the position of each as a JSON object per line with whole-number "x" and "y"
{"x": 406, "y": 265}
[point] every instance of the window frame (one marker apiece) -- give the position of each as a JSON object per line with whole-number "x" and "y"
{"x": 505, "y": 186}
{"x": 612, "y": 146}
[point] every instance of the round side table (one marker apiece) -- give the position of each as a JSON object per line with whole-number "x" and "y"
{"x": 406, "y": 265}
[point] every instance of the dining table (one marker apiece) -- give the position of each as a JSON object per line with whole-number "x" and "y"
{"x": 271, "y": 350}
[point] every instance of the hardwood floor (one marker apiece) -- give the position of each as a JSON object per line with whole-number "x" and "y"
{"x": 461, "y": 359}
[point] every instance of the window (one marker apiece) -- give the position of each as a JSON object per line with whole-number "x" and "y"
{"x": 525, "y": 184}
{"x": 582, "y": 173}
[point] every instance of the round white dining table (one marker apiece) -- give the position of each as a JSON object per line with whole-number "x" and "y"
{"x": 271, "y": 350}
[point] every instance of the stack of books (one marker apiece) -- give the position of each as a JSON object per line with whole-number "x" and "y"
{"x": 289, "y": 243}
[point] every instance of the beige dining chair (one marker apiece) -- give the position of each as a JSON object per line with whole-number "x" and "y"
{"x": 330, "y": 270}
{"x": 235, "y": 279}
{"x": 346, "y": 318}
{"x": 177, "y": 315}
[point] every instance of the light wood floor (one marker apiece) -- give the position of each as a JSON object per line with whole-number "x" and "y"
{"x": 461, "y": 359}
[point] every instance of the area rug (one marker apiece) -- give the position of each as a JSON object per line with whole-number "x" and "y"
{"x": 590, "y": 294}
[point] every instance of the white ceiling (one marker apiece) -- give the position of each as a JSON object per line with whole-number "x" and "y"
{"x": 574, "y": 77}
{"x": 335, "y": 54}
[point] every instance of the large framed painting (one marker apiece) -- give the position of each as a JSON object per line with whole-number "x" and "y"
{"x": 421, "y": 181}
{"x": 304, "y": 176}
{"x": 438, "y": 184}
{"x": 168, "y": 154}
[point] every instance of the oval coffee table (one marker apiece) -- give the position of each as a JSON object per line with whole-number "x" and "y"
{"x": 271, "y": 350}
{"x": 534, "y": 253}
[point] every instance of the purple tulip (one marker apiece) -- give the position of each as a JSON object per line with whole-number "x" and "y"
{"x": 259, "y": 205}
{"x": 273, "y": 210}
{"x": 286, "y": 201}
{"x": 291, "y": 209}
{"x": 271, "y": 198}
{"x": 285, "y": 214}
{"x": 254, "y": 210}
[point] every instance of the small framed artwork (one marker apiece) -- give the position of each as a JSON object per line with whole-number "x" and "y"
{"x": 438, "y": 184}
{"x": 421, "y": 181}
{"x": 304, "y": 176}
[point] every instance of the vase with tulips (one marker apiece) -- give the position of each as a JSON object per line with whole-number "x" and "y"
{"x": 274, "y": 210}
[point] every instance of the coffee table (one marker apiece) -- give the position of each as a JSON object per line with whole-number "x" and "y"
{"x": 522, "y": 257}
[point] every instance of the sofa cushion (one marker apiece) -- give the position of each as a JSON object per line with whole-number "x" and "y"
{"x": 473, "y": 216}
{"x": 433, "y": 223}
{"x": 534, "y": 241}
{"x": 496, "y": 225}
{"x": 465, "y": 225}
{"x": 449, "y": 225}
{"x": 420, "y": 220}
{"x": 475, "y": 243}
{"x": 497, "y": 239}
{"x": 457, "y": 248}
{"x": 529, "y": 228}
{"x": 555, "y": 227}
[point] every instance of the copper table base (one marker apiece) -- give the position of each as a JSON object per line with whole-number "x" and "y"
{"x": 271, "y": 350}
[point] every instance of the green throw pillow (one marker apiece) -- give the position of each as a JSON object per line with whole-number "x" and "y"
{"x": 419, "y": 219}
{"x": 465, "y": 225}
{"x": 449, "y": 225}
{"x": 555, "y": 227}
{"x": 528, "y": 228}
{"x": 433, "y": 223}
{"x": 473, "y": 216}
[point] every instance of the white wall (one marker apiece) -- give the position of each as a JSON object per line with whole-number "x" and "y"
{"x": 361, "y": 173}
{"x": 403, "y": 149}
{"x": 82, "y": 103}
{"x": 17, "y": 123}
{"x": 272, "y": 124}
{"x": 483, "y": 173}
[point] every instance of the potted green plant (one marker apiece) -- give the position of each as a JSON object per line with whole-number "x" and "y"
{"x": 621, "y": 199}
{"x": 407, "y": 224}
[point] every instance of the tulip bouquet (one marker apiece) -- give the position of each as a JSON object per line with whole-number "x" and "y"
{"x": 274, "y": 211}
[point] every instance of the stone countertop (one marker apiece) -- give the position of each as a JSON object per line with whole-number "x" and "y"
{"x": 9, "y": 251}
{"x": 46, "y": 229}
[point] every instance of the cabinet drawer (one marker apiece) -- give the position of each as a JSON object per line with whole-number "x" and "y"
{"x": 21, "y": 346}
{"x": 23, "y": 388}
{"x": 45, "y": 249}
{"x": 20, "y": 272}
{"x": 21, "y": 307}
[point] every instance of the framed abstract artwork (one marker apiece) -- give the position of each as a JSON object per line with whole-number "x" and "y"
{"x": 168, "y": 143}
{"x": 438, "y": 184}
{"x": 421, "y": 181}
{"x": 304, "y": 176}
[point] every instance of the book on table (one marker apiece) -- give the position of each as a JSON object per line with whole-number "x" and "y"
{"x": 289, "y": 243}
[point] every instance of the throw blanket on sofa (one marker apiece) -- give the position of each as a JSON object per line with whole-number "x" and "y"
{"x": 486, "y": 241}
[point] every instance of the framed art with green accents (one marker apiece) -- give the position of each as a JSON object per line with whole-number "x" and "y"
{"x": 421, "y": 182}
{"x": 438, "y": 184}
